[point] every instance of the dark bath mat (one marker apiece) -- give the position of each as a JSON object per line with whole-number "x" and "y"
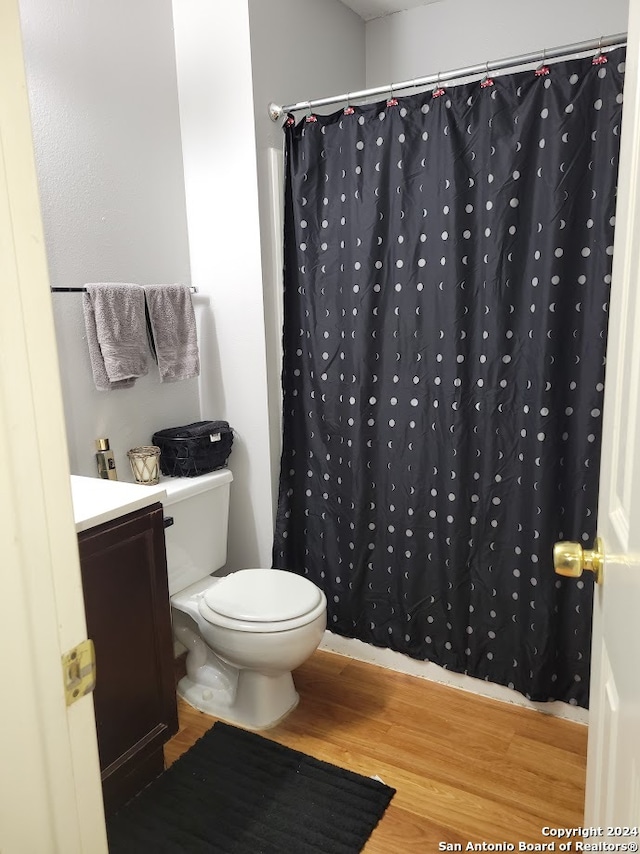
{"x": 235, "y": 792}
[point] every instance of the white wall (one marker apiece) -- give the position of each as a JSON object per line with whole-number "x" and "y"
{"x": 452, "y": 34}
{"x": 102, "y": 90}
{"x": 230, "y": 64}
{"x": 300, "y": 50}
{"x": 218, "y": 138}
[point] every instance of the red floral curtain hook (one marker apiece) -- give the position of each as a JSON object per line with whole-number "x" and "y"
{"x": 599, "y": 58}
{"x": 486, "y": 80}
{"x": 543, "y": 69}
{"x": 310, "y": 118}
{"x": 438, "y": 92}
{"x": 391, "y": 101}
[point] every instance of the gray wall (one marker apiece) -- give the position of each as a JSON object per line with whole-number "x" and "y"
{"x": 102, "y": 89}
{"x": 300, "y": 50}
{"x": 452, "y": 34}
{"x": 232, "y": 58}
{"x": 144, "y": 179}
{"x": 116, "y": 145}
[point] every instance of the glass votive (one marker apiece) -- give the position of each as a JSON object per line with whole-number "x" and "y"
{"x": 144, "y": 464}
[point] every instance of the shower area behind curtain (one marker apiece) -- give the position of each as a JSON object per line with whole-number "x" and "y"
{"x": 447, "y": 270}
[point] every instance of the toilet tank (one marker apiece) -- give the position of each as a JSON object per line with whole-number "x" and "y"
{"x": 197, "y": 540}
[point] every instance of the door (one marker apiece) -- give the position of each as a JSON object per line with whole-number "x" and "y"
{"x": 613, "y": 764}
{"x": 50, "y": 794}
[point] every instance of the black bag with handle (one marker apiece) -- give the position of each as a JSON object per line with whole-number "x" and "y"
{"x": 194, "y": 449}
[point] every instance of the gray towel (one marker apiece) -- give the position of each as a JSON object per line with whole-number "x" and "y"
{"x": 116, "y": 334}
{"x": 173, "y": 324}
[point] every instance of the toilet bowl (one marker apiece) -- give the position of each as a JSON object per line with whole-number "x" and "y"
{"x": 244, "y": 632}
{"x": 254, "y": 627}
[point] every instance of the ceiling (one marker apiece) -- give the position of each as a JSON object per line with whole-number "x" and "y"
{"x": 369, "y": 9}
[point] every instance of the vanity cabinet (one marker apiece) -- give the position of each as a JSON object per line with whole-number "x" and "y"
{"x": 126, "y": 597}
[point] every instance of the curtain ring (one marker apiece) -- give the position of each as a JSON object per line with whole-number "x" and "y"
{"x": 599, "y": 58}
{"x": 348, "y": 110}
{"x": 542, "y": 70}
{"x": 438, "y": 91}
{"x": 310, "y": 115}
{"x": 391, "y": 101}
{"x": 486, "y": 81}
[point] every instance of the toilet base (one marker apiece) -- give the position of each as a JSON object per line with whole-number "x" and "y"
{"x": 261, "y": 700}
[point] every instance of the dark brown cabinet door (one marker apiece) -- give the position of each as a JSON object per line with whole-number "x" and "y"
{"x": 124, "y": 578}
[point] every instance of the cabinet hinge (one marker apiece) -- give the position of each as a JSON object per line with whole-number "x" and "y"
{"x": 79, "y": 671}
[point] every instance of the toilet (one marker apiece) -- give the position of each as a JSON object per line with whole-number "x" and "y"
{"x": 244, "y": 632}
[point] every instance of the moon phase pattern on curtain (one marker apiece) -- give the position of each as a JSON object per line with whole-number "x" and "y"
{"x": 447, "y": 271}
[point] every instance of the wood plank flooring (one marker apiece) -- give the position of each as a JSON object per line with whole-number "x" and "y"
{"x": 466, "y": 769}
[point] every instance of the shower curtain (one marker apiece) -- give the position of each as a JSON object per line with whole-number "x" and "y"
{"x": 447, "y": 269}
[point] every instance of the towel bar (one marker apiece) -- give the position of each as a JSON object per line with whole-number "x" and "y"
{"x": 192, "y": 288}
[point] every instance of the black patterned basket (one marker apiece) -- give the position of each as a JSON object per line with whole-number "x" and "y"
{"x": 194, "y": 449}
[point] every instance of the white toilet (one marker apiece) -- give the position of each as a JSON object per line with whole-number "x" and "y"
{"x": 244, "y": 632}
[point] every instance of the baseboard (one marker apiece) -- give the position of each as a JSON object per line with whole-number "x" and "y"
{"x": 360, "y": 651}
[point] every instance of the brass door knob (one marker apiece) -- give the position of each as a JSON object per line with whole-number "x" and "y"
{"x": 570, "y": 559}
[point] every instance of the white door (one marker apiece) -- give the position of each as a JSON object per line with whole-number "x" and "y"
{"x": 613, "y": 766}
{"x": 50, "y": 792}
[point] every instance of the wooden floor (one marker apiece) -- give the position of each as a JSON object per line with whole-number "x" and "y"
{"x": 466, "y": 769}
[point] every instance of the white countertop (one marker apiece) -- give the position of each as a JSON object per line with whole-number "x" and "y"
{"x": 96, "y": 500}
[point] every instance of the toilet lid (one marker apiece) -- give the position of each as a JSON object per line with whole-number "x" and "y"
{"x": 263, "y": 596}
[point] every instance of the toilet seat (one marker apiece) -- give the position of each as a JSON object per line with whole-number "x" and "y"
{"x": 262, "y": 600}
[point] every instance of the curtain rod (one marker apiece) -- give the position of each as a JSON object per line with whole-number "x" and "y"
{"x": 276, "y": 111}
{"x": 192, "y": 288}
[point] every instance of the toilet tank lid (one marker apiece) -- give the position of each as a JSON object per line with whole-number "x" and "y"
{"x": 263, "y": 595}
{"x": 178, "y": 488}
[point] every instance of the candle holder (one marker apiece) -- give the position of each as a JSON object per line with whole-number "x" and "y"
{"x": 144, "y": 464}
